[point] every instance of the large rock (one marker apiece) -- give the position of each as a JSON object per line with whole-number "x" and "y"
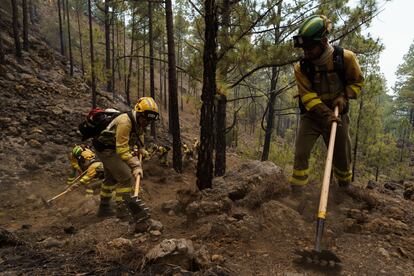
{"x": 179, "y": 252}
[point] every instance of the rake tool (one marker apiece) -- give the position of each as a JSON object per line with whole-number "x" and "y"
{"x": 318, "y": 256}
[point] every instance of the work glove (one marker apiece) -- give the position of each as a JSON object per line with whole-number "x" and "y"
{"x": 144, "y": 153}
{"x": 135, "y": 166}
{"x": 326, "y": 114}
{"x": 341, "y": 102}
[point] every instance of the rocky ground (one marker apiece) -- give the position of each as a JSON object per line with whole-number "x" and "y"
{"x": 245, "y": 225}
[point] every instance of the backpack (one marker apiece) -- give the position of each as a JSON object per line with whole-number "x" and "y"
{"x": 96, "y": 121}
{"x": 308, "y": 69}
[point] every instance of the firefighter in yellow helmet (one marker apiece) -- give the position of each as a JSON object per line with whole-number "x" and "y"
{"x": 188, "y": 152}
{"x": 162, "y": 153}
{"x": 114, "y": 147}
{"x": 83, "y": 161}
{"x": 327, "y": 76}
{"x": 196, "y": 146}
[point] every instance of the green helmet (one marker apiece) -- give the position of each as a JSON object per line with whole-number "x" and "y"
{"x": 312, "y": 31}
{"x": 76, "y": 151}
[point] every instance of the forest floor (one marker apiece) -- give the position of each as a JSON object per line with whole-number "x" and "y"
{"x": 247, "y": 224}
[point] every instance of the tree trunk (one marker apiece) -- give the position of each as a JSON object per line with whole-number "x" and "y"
{"x": 361, "y": 103}
{"x": 220, "y": 141}
{"x": 62, "y": 42}
{"x": 128, "y": 97}
{"x": 69, "y": 39}
{"x": 172, "y": 78}
{"x": 107, "y": 47}
{"x": 161, "y": 74}
{"x": 143, "y": 64}
{"x": 2, "y": 54}
{"x": 25, "y": 26}
{"x": 124, "y": 55}
{"x": 270, "y": 115}
{"x": 165, "y": 78}
{"x": 17, "y": 46}
{"x": 32, "y": 12}
{"x": 151, "y": 50}
{"x": 205, "y": 158}
{"x": 93, "y": 80}
{"x": 80, "y": 42}
{"x": 113, "y": 87}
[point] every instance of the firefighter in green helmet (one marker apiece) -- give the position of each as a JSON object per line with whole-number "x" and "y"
{"x": 327, "y": 76}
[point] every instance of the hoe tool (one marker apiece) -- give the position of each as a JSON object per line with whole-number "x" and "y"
{"x": 318, "y": 256}
{"x": 137, "y": 208}
{"x": 48, "y": 202}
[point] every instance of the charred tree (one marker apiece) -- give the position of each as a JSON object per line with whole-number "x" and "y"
{"x": 151, "y": 50}
{"x": 172, "y": 86}
{"x": 25, "y": 25}
{"x": 93, "y": 80}
{"x": 80, "y": 41}
{"x": 62, "y": 42}
{"x": 69, "y": 39}
{"x": 128, "y": 85}
{"x": 205, "y": 157}
{"x": 361, "y": 103}
{"x": 15, "y": 16}
{"x": 270, "y": 115}
{"x": 107, "y": 47}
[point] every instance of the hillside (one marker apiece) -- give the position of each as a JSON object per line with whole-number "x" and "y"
{"x": 247, "y": 224}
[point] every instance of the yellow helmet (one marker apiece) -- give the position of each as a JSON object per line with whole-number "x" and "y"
{"x": 148, "y": 107}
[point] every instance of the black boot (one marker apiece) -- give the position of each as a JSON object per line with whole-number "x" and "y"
{"x": 105, "y": 210}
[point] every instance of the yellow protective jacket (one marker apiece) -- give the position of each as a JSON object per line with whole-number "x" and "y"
{"x": 120, "y": 136}
{"x": 325, "y": 90}
{"x": 91, "y": 172}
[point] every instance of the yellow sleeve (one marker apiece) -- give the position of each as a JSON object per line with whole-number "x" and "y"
{"x": 90, "y": 172}
{"x": 308, "y": 96}
{"x": 75, "y": 164}
{"x": 123, "y": 131}
{"x": 354, "y": 77}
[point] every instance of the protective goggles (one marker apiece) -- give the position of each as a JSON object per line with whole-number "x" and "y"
{"x": 151, "y": 115}
{"x": 304, "y": 42}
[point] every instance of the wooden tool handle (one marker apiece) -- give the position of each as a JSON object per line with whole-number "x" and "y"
{"x": 138, "y": 179}
{"x": 328, "y": 168}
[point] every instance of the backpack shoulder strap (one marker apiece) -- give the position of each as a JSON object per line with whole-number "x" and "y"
{"x": 308, "y": 69}
{"x": 339, "y": 64}
{"x": 134, "y": 127}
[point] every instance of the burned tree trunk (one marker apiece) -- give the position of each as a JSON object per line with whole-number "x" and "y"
{"x": 15, "y": 15}
{"x": 25, "y": 25}
{"x": 93, "y": 80}
{"x": 62, "y": 42}
{"x": 107, "y": 48}
{"x": 69, "y": 39}
{"x": 205, "y": 157}
{"x": 151, "y": 50}
{"x": 172, "y": 78}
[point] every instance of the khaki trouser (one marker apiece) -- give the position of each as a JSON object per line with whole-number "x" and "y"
{"x": 118, "y": 177}
{"x": 310, "y": 128}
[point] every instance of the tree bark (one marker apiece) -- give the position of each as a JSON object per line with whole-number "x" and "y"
{"x": 80, "y": 41}
{"x": 358, "y": 122}
{"x": 62, "y": 42}
{"x": 221, "y": 119}
{"x": 172, "y": 78}
{"x": 17, "y": 46}
{"x": 143, "y": 63}
{"x": 113, "y": 86}
{"x": 128, "y": 97}
{"x": 205, "y": 158}
{"x": 151, "y": 50}
{"x": 270, "y": 115}
{"x": 107, "y": 47}
{"x": 25, "y": 26}
{"x": 69, "y": 39}
{"x": 93, "y": 80}
{"x": 2, "y": 54}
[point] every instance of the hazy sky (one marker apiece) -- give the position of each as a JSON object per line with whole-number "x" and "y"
{"x": 394, "y": 26}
